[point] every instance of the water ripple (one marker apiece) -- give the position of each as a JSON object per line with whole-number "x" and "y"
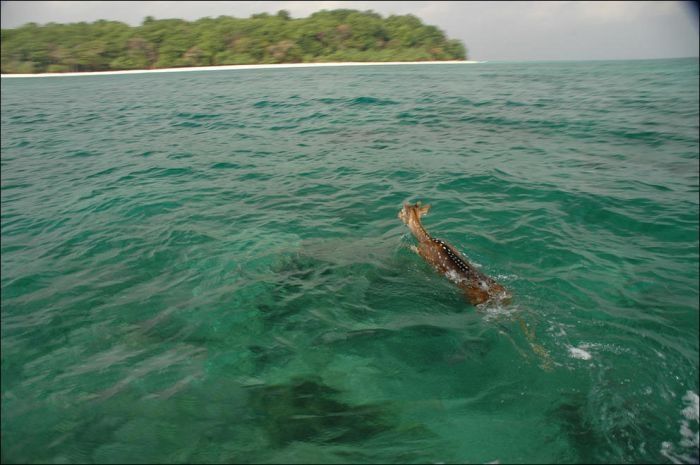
{"x": 201, "y": 268}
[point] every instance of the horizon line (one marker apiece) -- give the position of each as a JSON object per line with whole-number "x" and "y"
{"x": 319, "y": 64}
{"x": 240, "y": 67}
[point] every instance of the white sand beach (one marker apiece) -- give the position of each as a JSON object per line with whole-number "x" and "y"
{"x": 236, "y": 67}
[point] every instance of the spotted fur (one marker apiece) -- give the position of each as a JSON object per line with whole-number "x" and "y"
{"x": 454, "y": 256}
{"x": 477, "y": 286}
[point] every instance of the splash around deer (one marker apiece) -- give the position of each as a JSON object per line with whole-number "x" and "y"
{"x": 477, "y": 287}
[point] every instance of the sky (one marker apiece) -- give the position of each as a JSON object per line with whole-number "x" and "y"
{"x": 491, "y": 30}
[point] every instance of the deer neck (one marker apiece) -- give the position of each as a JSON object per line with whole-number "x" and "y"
{"x": 418, "y": 230}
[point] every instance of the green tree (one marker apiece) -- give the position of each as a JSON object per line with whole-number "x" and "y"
{"x": 327, "y": 35}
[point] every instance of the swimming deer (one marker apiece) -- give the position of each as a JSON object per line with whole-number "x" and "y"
{"x": 477, "y": 287}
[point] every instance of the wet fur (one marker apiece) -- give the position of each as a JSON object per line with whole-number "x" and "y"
{"x": 477, "y": 287}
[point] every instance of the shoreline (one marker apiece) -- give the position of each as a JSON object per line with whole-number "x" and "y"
{"x": 237, "y": 67}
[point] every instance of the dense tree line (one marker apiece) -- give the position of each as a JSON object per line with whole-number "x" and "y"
{"x": 325, "y": 36}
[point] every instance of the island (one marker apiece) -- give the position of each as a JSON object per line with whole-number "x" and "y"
{"x": 327, "y": 36}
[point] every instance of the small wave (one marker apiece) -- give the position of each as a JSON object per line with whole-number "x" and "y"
{"x": 225, "y": 165}
{"x": 276, "y": 104}
{"x": 577, "y": 352}
{"x": 372, "y": 101}
{"x": 496, "y": 310}
{"x": 82, "y": 153}
{"x": 686, "y": 450}
{"x": 198, "y": 115}
{"x": 187, "y": 124}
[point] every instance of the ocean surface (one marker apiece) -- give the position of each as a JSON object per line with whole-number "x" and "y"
{"x": 209, "y": 267}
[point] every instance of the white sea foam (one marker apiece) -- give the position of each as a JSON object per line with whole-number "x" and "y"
{"x": 496, "y": 309}
{"x": 577, "y": 352}
{"x": 453, "y": 276}
{"x": 686, "y": 451}
{"x": 611, "y": 348}
{"x": 506, "y": 277}
{"x": 557, "y": 330}
{"x": 237, "y": 67}
{"x": 692, "y": 411}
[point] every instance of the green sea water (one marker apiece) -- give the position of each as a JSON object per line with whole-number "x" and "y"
{"x": 208, "y": 266}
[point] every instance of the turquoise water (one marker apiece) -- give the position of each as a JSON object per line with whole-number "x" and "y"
{"x": 209, "y": 267}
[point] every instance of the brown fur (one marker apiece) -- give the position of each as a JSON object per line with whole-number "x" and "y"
{"x": 477, "y": 287}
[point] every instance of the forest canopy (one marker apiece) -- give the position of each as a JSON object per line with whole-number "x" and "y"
{"x": 325, "y": 36}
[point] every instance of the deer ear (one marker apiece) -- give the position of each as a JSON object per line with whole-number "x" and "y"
{"x": 424, "y": 210}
